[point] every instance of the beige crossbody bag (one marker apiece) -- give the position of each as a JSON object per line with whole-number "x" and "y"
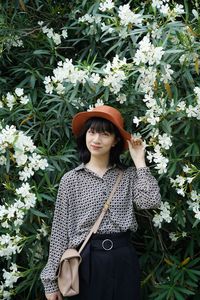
{"x": 68, "y": 276}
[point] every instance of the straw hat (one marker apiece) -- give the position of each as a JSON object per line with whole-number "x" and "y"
{"x": 103, "y": 111}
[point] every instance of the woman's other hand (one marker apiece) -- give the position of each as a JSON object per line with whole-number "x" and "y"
{"x": 137, "y": 151}
{"x": 54, "y": 296}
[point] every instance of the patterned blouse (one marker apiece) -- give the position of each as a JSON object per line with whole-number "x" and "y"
{"x": 80, "y": 199}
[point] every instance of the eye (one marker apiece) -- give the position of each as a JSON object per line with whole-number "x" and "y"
{"x": 91, "y": 131}
{"x": 106, "y": 133}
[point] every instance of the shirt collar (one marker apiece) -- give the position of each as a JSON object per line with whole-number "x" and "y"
{"x": 82, "y": 166}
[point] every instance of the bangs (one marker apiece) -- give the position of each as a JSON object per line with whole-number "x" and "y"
{"x": 101, "y": 125}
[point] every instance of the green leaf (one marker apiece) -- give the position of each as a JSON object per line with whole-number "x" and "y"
{"x": 38, "y": 213}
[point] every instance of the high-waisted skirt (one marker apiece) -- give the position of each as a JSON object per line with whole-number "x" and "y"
{"x": 109, "y": 269}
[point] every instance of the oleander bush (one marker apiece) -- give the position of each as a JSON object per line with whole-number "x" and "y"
{"x": 61, "y": 57}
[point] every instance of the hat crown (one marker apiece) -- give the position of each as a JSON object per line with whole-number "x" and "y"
{"x": 110, "y": 111}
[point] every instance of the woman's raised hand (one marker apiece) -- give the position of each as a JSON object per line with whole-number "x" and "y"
{"x": 54, "y": 296}
{"x": 137, "y": 151}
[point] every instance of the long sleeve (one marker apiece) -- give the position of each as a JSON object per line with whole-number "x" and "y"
{"x": 146, "y": 192}
{"x": 58, "y": 241}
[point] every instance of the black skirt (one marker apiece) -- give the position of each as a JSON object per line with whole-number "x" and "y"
{"x": 109, "y": 269}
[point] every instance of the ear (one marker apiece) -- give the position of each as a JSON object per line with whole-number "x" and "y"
{"x": 115, "y": 142}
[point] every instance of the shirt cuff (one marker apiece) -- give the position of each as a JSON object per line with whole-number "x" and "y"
{"x": 143, "y": 171}
{"x": 50, "y": 286}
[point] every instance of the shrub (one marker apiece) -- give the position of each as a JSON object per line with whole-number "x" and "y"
{"x": 58, "y": 59}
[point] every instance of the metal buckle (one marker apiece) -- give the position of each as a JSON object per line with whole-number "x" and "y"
{"x": 105, "y": 241}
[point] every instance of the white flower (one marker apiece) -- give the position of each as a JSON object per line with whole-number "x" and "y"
{"x": 11, "y": 277}
{"x": 115, "y": 81}
{"x": 197, "y": 92}
{"x": 7, "y": 295}
{"x": 24, "y": 190}
{"x": 43, "y": 164}
{"x": 193, "y": 111}
{"x": 95, "y": 78}
{"x": 5, "y": 239}
{"x": 17, "y": 42}
{"x": 161, "y": 164}
{"x": 64, "y": 33}
{"x": 107, "y": 28}
{"x": 25, "y": 174}
{"x": 30, "y": 201}
{"x": 157, "y": 3}
{"x": 56, "y": 38}
{"x": 150, "y": 156}
{"x": 21, "y": 158}
{"x": 40, "y": 23}
{"x": 106, "y": 5}
{"x": 2, "y": 160}
{"x": 181, "y": 192}
{"x": 24, "y": 100}
{"x": 47, "y": 80}
{"x": 186, "y": 169}
{"x": 43, "y": 231}
{"x": 173, "y": 236}
{"x": 128, "y": 17}
{"x": 167, "y": 73}
{"x": 179, "y": 9}
{"x": 164, "y": 215}
{"x": 114, "y": 77}
{"x": 11, "y": 211}
{"x": 6, "y": 225}
{"x": 148, "y": 53}
{"x": 160, "y": 160}
{"x": 165, "y": 141}
{"x": 146, "y": 79}
{"x": 183, "y": 59}
{"x": 136, "y": 121}
{"x": 165, "y": 9}
{"x": 195, "y": 196}
{"x": 23, "y": 143}
{"x": 195, "y": 13}
{"x": 19, "y": 92}
{"x": 157, "y": 220}
{"x": 3, "y": 211}
{"x": 99, "y": 103}
{"x": 151, "y": 117}
{"x": 150, "y": 102}
{"x": 10, "y": 100}
{"x": 180, "y": 180}
{"x": 181, "y": 105}
{"x": 60, "y": 89}
{"x": 87, "y": 18}
{"x": 121, "y": 98}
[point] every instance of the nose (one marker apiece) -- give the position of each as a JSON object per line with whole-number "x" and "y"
{"x": 96, "y": 137}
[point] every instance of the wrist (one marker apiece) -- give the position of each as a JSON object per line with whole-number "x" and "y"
{"x": 140, "y": 164}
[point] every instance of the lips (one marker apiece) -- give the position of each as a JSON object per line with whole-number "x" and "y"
{"x": 95, "y": 147}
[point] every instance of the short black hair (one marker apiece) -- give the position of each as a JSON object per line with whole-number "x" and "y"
{"x": 100, "y": 125}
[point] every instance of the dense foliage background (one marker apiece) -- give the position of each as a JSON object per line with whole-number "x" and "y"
{"x": 61, "y": 57}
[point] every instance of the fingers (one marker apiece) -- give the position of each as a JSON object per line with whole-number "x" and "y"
{"x": 54, "y": 296}
{"x": 60, "y": 297}
{"x": 136, "y": 141}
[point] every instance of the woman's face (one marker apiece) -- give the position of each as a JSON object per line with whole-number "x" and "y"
{"x": 100, "y": 143}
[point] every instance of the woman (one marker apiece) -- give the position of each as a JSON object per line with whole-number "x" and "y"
{"x": 110, "y": 269}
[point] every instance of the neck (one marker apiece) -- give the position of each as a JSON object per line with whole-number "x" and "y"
{"x": 98, "y": 163}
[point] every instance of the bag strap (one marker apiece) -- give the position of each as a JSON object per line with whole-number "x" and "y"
{"x": 106, "y": 206}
